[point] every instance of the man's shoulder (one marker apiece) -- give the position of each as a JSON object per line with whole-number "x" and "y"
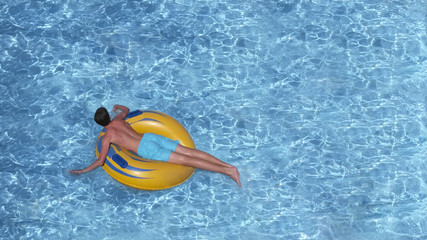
{"x": 115, "y": 125}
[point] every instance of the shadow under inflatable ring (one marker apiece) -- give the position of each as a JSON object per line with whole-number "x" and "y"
{"x": 130, "y": 169}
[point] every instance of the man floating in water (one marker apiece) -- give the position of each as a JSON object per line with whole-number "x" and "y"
{"x": 152, "y": 146}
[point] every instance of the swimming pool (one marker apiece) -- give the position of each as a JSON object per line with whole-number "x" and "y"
{"x": 320, "y": 104}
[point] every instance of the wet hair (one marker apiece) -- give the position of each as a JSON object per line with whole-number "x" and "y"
{"x": 102, "y": 117}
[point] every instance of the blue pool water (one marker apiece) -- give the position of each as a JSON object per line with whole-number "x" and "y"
{"x": 321, "y": 105}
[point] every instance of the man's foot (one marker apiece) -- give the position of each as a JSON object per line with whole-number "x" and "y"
{"x": 235, "y": 175}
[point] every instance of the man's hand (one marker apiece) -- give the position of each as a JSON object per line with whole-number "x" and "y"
{"x": 116, "y": 110}
{"x": 122, "y": 110}
{"x": 95, "y": 164}
{"x": 76, "y": 172}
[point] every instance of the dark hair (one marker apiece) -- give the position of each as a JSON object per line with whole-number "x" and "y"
{"x": 102, "y": 117}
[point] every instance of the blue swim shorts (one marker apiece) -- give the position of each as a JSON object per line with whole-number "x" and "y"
{"x": 156, "y": 147}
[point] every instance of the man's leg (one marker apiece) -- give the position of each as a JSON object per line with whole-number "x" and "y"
{"x": 209, "y": 163}
{"x": 194, "y": 153}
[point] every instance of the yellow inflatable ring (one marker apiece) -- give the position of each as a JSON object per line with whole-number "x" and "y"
{"x": 128, "y": 168}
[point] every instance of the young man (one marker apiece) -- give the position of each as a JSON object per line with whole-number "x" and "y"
{"x": 119, "y": 132}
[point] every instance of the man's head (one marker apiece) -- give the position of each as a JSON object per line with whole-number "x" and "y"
{"x": 102, "y": 117}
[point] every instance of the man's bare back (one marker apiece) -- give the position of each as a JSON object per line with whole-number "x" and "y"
{"x": 121, "y": 133}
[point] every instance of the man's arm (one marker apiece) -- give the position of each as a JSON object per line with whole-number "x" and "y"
{"x": 124, "y": 111}
{"x": 101, "y": 159}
